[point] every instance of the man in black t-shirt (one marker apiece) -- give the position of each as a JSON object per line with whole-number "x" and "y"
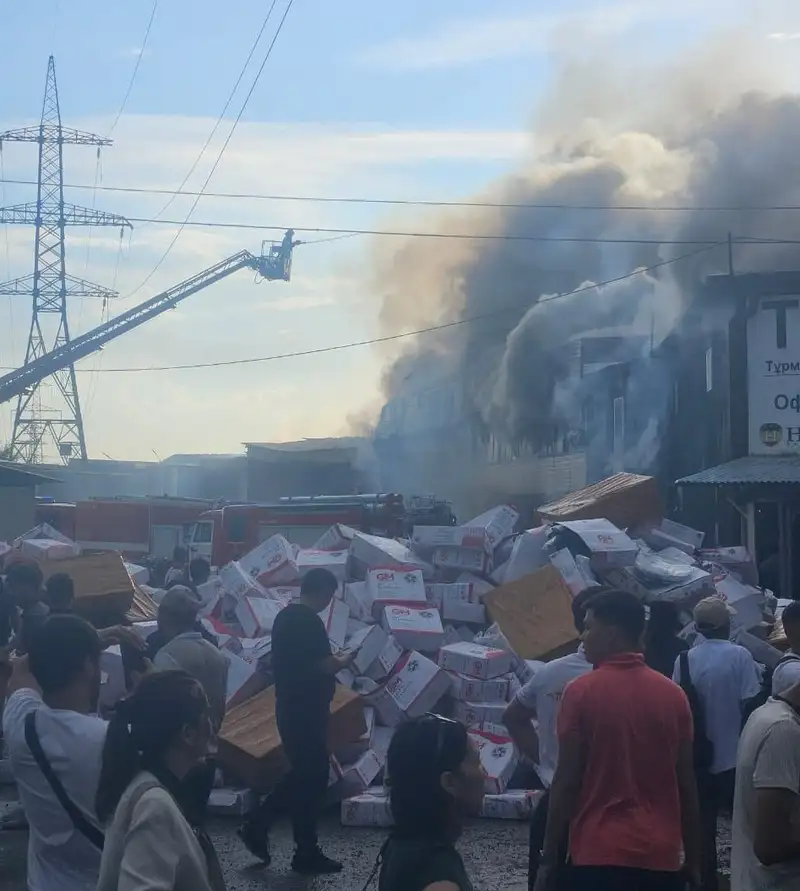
{"x": 304, "y": 670}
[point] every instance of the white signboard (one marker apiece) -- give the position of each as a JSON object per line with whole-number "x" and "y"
{"x": 773, "y": 360}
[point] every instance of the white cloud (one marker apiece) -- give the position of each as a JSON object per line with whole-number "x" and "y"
{"x": 784, "y": 35}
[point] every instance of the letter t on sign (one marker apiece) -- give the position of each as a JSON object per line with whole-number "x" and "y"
{"x": 780, "y": 307}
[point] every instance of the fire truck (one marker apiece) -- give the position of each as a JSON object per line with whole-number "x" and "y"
{"x": 135, "y": 527}
{"x": 229, "y": 532}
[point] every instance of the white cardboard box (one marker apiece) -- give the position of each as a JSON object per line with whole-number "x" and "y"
{"x": 499, "y": 523}
{"x": 479, "y": 714}
{"x": 743, "y": 600}
{"x": 413, "y": 690}
{"x": 608, "y": 545}
{"x": 333, "y": 561}
{"x": 458, "y": 602}
{"x": 565, "y": 563}
{"x": 432, "y": 537}
{"x": 273, "y": 562}
{"x": 239, "y": 583}
{"x": 239, "y": 673}
{"x": 257, "y": 615}
{"x": 388, "y": 657}
{"x": 337, "y": 538}
{"x": 369, "y": 809}
{"x": 369, "y": 641}
{"x": 376, "y": 552}
{"x": 469, "y": 689}
{"x": 231, "y": 802}
{"x": 390, "y": 586}
{"x": 513, "y": 804}
{"x": 462, "y": 558}
{"x": 334, "y": 618}
{"x": 112, "y": 678}
{"x": 480, "y": 586}
{"x": 359, "y": 601}
{"x": 671, "y": 534}
{"x": 414, "y": 629}
{"x": 359, "y": 776}
{"x": 655, "y": 578}
{"x": 140, "y": 575}
{"x": 527, "y": 554}
{"x": 476, "y": 660}
{"x": 47, "y": 549}
{"x": 499, "y": 760}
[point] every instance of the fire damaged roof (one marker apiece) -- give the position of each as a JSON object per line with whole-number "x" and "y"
{"x": 778, "y": 470}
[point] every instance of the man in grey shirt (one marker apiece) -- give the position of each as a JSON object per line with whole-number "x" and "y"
{"x": 187, "y": 649}
{"x": 765, "y": 852}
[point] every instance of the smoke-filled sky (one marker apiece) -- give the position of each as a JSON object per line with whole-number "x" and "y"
{"x": 712, "y": 126}
{"x": 580, "y": 101}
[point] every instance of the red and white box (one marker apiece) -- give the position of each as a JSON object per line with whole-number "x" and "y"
{"x": 337, "y": 538}
{"x": 388, "y": 657}
{"x": 414, "y": 689}
{"x": 239, "y": 583}
{"x": 257, "y": 615}
{"x": 499, "y": 759}
{"x": 395, "y": 586}
{"x": 335, "y": 620}
{"x": 273, "y": 562}
{"x": 513, "y": 804}
{"x": 457, "y": 602}
{"x": 432, "y": 537}
{"x": 415, "y": 629}
{"x": 359, "y": 776}
{"x": 370, "y": 808}
{"x": 469, "y": 689}
{"x": 373, "y": 551}
{"x": 334, "y": 561}
{"x": 476, "y": 660}
{"x": 462, "y": 558}
{"x": 499, "y": 523}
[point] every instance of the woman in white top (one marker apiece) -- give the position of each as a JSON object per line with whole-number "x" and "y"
{"x": 155, "y": 738}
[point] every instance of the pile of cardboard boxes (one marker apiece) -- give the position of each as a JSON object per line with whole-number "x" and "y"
{"x": 453, "y": 620}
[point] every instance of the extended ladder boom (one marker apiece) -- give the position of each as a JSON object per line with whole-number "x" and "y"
{"x": 17, "y": 382}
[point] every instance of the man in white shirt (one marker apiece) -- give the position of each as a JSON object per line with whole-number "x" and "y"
{"x": 59, "y": 683}
{"x": 538, "y": 701}
{"x": 765, "y": 854}
{"x": 725, "y": 677}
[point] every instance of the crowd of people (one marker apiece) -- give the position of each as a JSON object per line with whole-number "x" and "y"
{"x": 638, "y": 741}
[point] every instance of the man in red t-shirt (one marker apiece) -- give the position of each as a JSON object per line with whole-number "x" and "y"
{"x": 624, "y": 788}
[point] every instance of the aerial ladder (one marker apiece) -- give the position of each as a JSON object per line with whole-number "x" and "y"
{"x": 273, "y": 264}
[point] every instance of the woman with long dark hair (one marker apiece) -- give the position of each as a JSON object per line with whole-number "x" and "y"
{"x": 435, "y": 782}
{"x": 154, "y": 739}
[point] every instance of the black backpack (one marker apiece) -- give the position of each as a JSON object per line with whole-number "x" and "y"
{"x": 703, "y": 747}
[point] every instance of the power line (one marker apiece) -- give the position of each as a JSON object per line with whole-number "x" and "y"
{"x": 497, "y": 205}
{"x": 392, "y": 337}
{"x": 470, "y": 236}
{"x": 225, "y": 144}
{"x": 132, "y": 81}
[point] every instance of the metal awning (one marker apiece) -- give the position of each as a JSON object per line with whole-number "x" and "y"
{"x": 754, "y": 470}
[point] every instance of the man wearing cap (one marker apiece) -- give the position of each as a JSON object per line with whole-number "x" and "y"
{"x": 725, "y": 677}
{"x": 186, "y": 648}
{"x": 765, "y": 854}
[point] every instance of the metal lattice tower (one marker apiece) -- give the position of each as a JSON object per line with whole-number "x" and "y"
{"x": 49, "y": 285}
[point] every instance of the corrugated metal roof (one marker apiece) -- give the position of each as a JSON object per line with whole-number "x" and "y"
{"x": 752, "y": 470}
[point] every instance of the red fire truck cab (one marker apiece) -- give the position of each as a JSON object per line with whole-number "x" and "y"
{"x": 228, "y": 533}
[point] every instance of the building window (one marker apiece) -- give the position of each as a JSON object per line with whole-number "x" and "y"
{"x": 709, "y": 369}
{"x": 619, "y": 425}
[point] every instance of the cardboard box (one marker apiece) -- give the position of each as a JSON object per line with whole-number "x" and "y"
{"x": 337, "y": 538}
{"x": 273, "y": 562}
{"x": 499, "y": 759}
{"x": 231, "y": 802}
{"x": 480, "y": 586}
{"x": 414, "y": 629}
{"x": 238, "y": 583}
{"x": 565, "y": 563}
{"x": 240, "y": 671}
{"x": 654, "y": 578}
{"x": 479, "y": 714}
{"x": 609, "y": 546}
{"x": 746, "y": 602}
{"x": 457, "y": 602}
{"x": 514, "y": 804}
{"x": 360, "y": 776}
{"x": 413, "y": 690}
{"x": 47, "y": 549}
{"x": 389, "y": 586}
{"x": 388, "y": 657}
{"x": 499, "y": 523}
{"x": 375, "y": 552}
{"x": 461, "y": 558}
{"x": 210, "y": 592}
{"x": 669, "y": 534}
{"x": 140, "y": 575}
{"x": 369, "y": 641}
{"x": 112, "y": 679}
{"x": 250, "y": 745}
{"x": 257, "y": 615}
{"x": 369, "y": 809}
{"x": 534, "y": 614}
{"x": 475, "y": 660}
{"x": 351, "y": 752}
{"x": 334, "y": 618}
{"x": 625, "y": 499}
{"x": 736, "y": 560}
{"x": 527, "y": 554}
{"x": 359, "y": 601}
{"x": 471, "y": 537}
{"x": 103, "y": 588}
{"x": 333, "y": 561}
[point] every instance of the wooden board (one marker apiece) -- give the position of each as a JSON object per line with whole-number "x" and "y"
{"x": 102, "y": 584}
{"x": 535, "y": 614}
{"x": 250, "y": 745}
{"x": 626, "y": 499}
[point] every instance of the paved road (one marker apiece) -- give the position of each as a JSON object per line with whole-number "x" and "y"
{"x": 495, "y": 852}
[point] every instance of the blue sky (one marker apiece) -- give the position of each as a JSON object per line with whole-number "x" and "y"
{"x": 404, "y": 99}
